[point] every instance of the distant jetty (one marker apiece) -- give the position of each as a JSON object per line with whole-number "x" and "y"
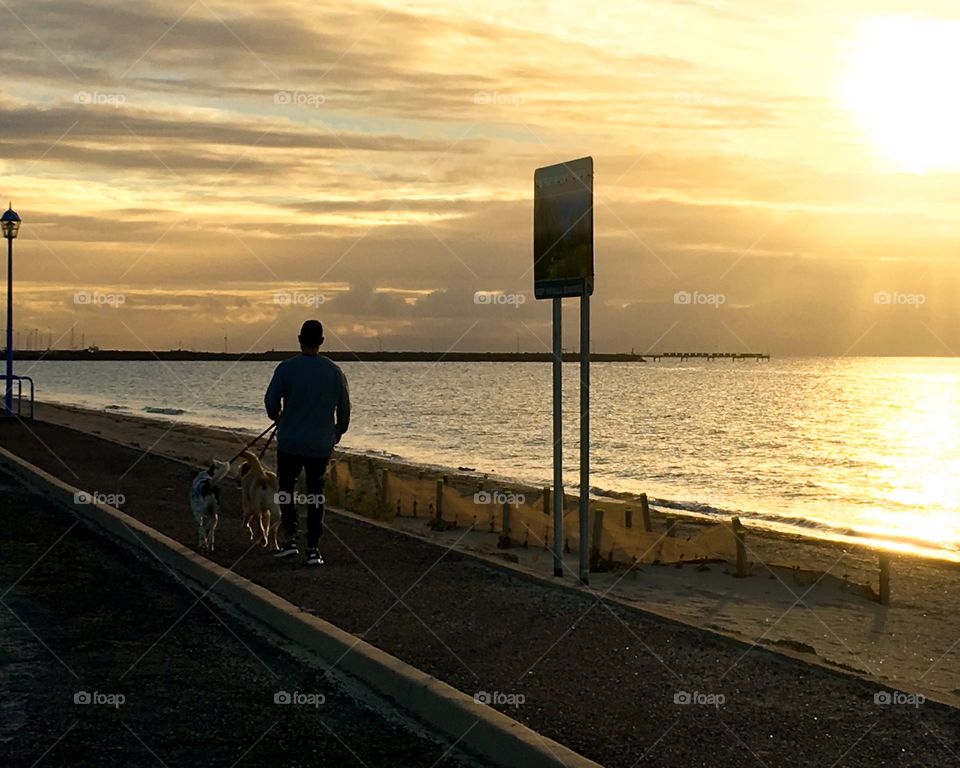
{"x": 683, "y": 356}
{"x": 386, "y": 357}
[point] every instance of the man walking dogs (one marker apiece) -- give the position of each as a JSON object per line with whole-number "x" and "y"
{"x": 309, "y": 398}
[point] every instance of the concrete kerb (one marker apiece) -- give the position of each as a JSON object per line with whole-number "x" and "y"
{"x": 475, "y": 727}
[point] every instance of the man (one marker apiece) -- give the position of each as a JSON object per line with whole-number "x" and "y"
{"x": 308, "y": 395}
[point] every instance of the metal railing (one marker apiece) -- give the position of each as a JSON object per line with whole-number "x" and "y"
{"x": 18, "y": 405}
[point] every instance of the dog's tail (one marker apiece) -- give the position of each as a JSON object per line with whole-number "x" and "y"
{"x": 220, "y": 471}
{"x": 255, "y": 465}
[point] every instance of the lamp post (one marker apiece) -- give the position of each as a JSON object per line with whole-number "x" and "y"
{"x": 10, "y": 223}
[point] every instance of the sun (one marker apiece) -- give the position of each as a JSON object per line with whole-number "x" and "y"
{"x": 901, "y": 85}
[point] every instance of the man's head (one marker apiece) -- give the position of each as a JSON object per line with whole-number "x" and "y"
{"x": 311, "y": 336}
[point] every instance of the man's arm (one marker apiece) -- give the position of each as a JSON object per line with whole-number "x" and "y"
{"x": 273, "y": 399}
{"x": 343, "y": 408}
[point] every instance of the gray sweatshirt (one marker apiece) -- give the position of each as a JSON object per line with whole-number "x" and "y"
{"x": 312, "y": 393}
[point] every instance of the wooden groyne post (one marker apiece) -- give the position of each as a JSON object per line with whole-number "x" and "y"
{"x": 505, "y": 542}
{"x": 331, "y": 491}
{"x": 438, "y": 523}
{"x": 884, "y": 578}
{"x": 595, "y": 557}
{"x": 385, "y": 491}
{"x": 739, "y": 534}
{"x": 671, "y": 527}
{"x": 438, "y": 500}
{"x": 645, "y": 513}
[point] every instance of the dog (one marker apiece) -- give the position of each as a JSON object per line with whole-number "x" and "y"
{"x": 205, "y": 503}
{"x": 259, "y": 489}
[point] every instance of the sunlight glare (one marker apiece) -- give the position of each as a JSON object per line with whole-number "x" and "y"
{"x": 900, "y": 84}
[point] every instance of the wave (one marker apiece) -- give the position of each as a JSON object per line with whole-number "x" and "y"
{"x": 791, "y": 521}
{"x": 236, "y": 407}
{"x": 380, "y": 454}
{"x": 165, "y": 411}
{"x": 711, "y": 512}
{"x": 799, "y": 525}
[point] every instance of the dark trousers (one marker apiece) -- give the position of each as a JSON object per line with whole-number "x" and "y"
{"x": 289, "y": 467}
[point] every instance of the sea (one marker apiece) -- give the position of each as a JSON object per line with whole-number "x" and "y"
{"x": 851, "y": 449}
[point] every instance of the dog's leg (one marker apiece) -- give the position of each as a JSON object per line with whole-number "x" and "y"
{"x": 265, "y": 527}
{"x": 213, "y": 531}
{"x": 274, "y": 532}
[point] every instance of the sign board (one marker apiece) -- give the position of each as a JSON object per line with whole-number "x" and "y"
{"x": 563, "y": 230}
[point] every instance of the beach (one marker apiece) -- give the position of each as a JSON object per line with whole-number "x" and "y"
{"x": 796, "y": 657}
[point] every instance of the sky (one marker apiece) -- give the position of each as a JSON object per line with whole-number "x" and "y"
{"x": 770, "y": 177}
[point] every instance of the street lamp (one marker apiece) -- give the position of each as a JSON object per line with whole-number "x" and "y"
{"x": 10, "y": 224}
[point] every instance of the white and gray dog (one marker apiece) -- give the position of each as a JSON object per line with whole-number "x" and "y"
{"x": 205, "y": 502}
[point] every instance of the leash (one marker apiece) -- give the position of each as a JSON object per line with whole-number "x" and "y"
{"x": 267, "y": 444}
{"x": 272, "y": 429}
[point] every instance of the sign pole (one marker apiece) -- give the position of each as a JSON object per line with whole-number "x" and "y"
{"x": 584, "y": 438}
{"x": 563, "y": 266}
{"x": 557, "y": 437}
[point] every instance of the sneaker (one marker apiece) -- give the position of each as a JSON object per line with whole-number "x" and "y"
{"x": 313, "y": 558}
{"x": 287, "y": 549}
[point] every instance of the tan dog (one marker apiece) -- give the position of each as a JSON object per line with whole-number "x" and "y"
{"x": 258, "y": 496}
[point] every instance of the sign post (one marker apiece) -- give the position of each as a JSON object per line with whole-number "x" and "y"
{"x": 584, "y": 438}
{"x": 557, "y": 505}
{"x": 563, "y": 266}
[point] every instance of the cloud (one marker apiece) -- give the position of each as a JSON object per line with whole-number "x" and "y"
{"x": 201, "y": 161}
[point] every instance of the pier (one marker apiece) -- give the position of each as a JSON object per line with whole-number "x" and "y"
{"x": 710, "y": 356}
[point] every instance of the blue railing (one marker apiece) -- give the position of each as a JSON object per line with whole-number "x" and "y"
{"x": 18, "y": 405}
